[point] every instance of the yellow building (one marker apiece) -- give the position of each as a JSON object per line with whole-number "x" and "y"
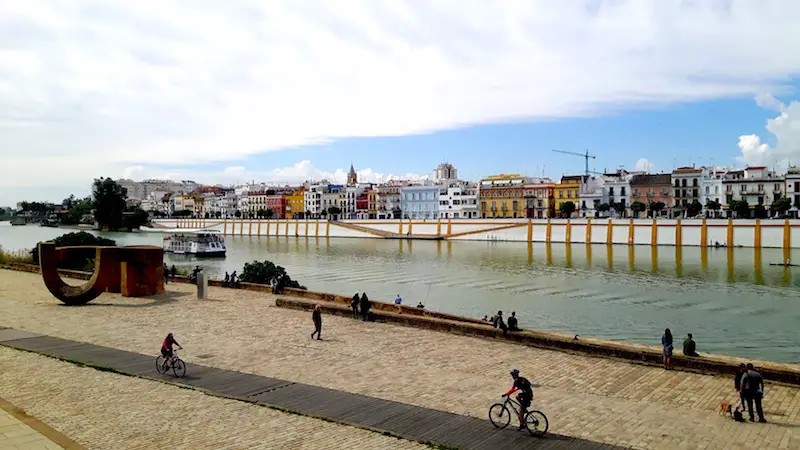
{"x": 568, "y": 190}
{"x": 372, "y": 203}
{"x": 502, "y": 196}
{"x": 296, "y": 204}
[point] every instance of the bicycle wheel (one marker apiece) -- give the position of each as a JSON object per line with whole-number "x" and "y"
{"x": 160, "y": 365}
{"x": 499, "y": 415}
{"x": 536, "y": 422}
{"x": 179, "y": 368}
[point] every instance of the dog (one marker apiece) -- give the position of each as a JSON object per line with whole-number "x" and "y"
{"x": 725, "y": 408}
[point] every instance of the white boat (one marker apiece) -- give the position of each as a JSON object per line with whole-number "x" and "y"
{"x": 206, "y": 243}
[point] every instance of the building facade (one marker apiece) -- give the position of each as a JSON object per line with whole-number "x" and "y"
{"x": 458, "y": 201}
{"x": 295, "y": 204}
{"x": 686, "y": 189}
{"x": 420, "y": 202}
{"x": 792, "y": 189}
{"x": 503, "y": 196}
{"x": 755, "y": 185}
{"x": 568, "y": 191}
{"x": 652, "y": 188}
{"x": 445, "y": 172}
{"x": 539, "y": 197}
{"x": 388, "y": 199}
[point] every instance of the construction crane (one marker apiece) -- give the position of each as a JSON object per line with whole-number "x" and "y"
{"x": 585, "y": 156}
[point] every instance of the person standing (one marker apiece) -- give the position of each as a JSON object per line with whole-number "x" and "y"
{"x": 365, "y": 304}
{"x": 316, "y": 317}
{"x": 173, "y": 272}
{"x": 666, "y": 344}
{"x": 354, "y": 305}
{"x": 737, "y": 384}
{"x": 166, "y": 273}
{"x": 753, "y": 387}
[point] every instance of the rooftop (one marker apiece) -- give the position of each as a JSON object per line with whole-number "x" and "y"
{"x": 655, "y": 179}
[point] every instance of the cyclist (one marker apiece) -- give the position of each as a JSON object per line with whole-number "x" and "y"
{"x": 525, "y": 396}
{"x": 166, "y": 349}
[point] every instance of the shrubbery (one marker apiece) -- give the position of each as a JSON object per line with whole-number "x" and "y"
{"x": 262, "y": 272}
{"x": 79, "y": 239}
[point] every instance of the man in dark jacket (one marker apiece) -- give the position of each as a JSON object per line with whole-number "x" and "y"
{"x": 364, "y": 306}
{"x": 737, "y": 383}
{"x": 316, "y": 316}
{"x": 753, "y": 387}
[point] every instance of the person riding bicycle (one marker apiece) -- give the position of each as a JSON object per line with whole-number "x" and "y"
{"x": 166, "y": 348}
{"x": 525, "y": 396}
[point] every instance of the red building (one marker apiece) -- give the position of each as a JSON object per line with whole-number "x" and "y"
{"x": 362, "y": 202}
{"x": 277, "y": 203}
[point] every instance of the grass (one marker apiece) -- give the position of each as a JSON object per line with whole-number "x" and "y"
{"x": 15, "y": 256}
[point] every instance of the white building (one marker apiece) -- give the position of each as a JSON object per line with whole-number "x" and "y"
{"x": 686, "y": 189}
{"x": 459, "y": 200}
{"x": 755, "y": 185}
{"x": 712, "y": 189}
{"x": 444, "y": 173}
{"x": 591, "y": 196}
{"x": 617, "y": 189}
{"x": 142, "y": 189}
{"x": 792, "y": 190}
{"x": 353, "y": 192}
{"x": 388, "y": 199}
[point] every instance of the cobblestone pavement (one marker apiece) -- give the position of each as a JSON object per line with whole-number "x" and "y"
{"x": 591, "y": 398}
{"x": 15, "y": 435}
{"x": 102, "y": 410}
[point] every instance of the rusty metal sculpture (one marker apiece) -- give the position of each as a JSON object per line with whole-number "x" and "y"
{"x": 135, "y": 271}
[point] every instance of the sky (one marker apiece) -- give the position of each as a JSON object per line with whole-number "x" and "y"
{"x": 291, "y": 90}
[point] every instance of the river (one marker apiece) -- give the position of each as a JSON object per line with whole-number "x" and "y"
{"x": 732, "y": 300}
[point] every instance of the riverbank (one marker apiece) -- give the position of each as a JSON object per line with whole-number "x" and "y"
{"x": 782, "y": 234}
{"x": 643, "y": 407}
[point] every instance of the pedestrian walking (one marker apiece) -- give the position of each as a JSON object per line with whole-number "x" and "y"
{"x": 354, "y": 305}
{"x": 166, "y": 273}
{"x": 753, "y": 387}
{"x": 316, "y": 317}
{"x": 173, "y": 272}
{"x": 365, "y": 305}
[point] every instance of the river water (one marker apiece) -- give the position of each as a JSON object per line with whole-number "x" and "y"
{"x": 732, "y": 300}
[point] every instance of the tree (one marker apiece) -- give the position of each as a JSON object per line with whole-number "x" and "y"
{"x": 741, "y": 208}
{"x": 218, "y": 214}
{"x": 237, "y": 214}
{"x": 263, "y": 272}
{"x": 638, "y": 207}
{"x": 657, "y": 207}
{"x": 79, "y": 239}
{"x": 397, "y": 212}
{"x": 135, "y": 218}
{"x": 182, "y": 213}
{"x": 268, "y": 213}
{"x": 712, "y": 205}
{"x": 567, "y": 208}
{"x": 694, "y": 208}
{"x": 759, "y": 212}
{"x": 334, "y": 211}
{"x": 781, "y": 205}
{"x": 619, "y": 207}
{"x": 108, "y": 203}
{"x": 77, "y": 211}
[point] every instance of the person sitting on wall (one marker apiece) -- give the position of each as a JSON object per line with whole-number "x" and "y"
{"x": 512, "y": 322}
{"x": 398, "y": 300}
{"x": 689, "y": 346}
{"x": 365, "y": 305}
{"x": 234, "y": 280}
{"x": 486, "y": 318}
{"x": 420, "y": 305}
{"x": 227, "y": 281}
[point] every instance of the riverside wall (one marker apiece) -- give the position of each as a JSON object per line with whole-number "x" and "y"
{"x": 675, "y": 232}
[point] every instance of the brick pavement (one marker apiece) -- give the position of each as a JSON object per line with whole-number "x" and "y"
{"x": 16, "y": 435}
{"x": 103, "y": 410}
{"x": 596, "y": 399}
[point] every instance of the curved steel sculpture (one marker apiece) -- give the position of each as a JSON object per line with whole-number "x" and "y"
{"x": 136, "y": 271}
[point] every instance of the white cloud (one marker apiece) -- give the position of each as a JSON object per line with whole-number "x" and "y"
{"x": 295, "y": 174}
{"x": 89, "y": 88}
{"x": 644, "y": 165}
{"x": 785, "y": 128}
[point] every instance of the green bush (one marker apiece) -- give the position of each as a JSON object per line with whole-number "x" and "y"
{"x": 79, "y": 239}
{"x": 262, "y": 272}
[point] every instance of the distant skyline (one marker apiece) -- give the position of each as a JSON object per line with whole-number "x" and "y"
{"x": 288, "y": 92}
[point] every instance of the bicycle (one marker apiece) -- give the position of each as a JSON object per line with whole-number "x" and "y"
{"x": 177, "y": 365}
{"x": 535, "y": 421}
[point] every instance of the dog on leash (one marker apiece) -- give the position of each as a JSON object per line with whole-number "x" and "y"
{"x": 725, "y": 408}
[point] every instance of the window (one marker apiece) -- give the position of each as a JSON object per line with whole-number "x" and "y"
{"x": 636, "y": 192}
{"x": 560, "y": 194}
{"x": 777, "y": 188}
{"x": 677, "y": 183}
{"x": 622, "y": 190}
{"x": 694, "y": 182}
{"x": 760, "y": 188}
{"x": 649, "y": 192}
{"x": 569, "y": 194}
{"x": 729, "y": 188}
{"x": 797, "y": 186}
{"x": 716, "y": 189}
{"x": 611, "y": 191}
{"x": 708, "y": 190}
{"x": 483, "y": 206}
{"x": 683, "y": 182}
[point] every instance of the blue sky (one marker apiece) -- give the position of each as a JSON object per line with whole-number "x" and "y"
{"x": 286, "y": 91}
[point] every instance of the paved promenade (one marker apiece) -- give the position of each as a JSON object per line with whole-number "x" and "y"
{"x": 19, "y": 431}
{"x": 595, "y": 399}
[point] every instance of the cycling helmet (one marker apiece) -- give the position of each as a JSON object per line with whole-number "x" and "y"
{"x": 515, "y": 372}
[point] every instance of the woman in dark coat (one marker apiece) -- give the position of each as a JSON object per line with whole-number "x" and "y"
{"x": 316, "y": 316}
{"x": 354, "y": 305}
{"x": 365, "y": 304}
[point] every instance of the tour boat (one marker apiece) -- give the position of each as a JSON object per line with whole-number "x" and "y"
{"x": 207, "y": 243}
